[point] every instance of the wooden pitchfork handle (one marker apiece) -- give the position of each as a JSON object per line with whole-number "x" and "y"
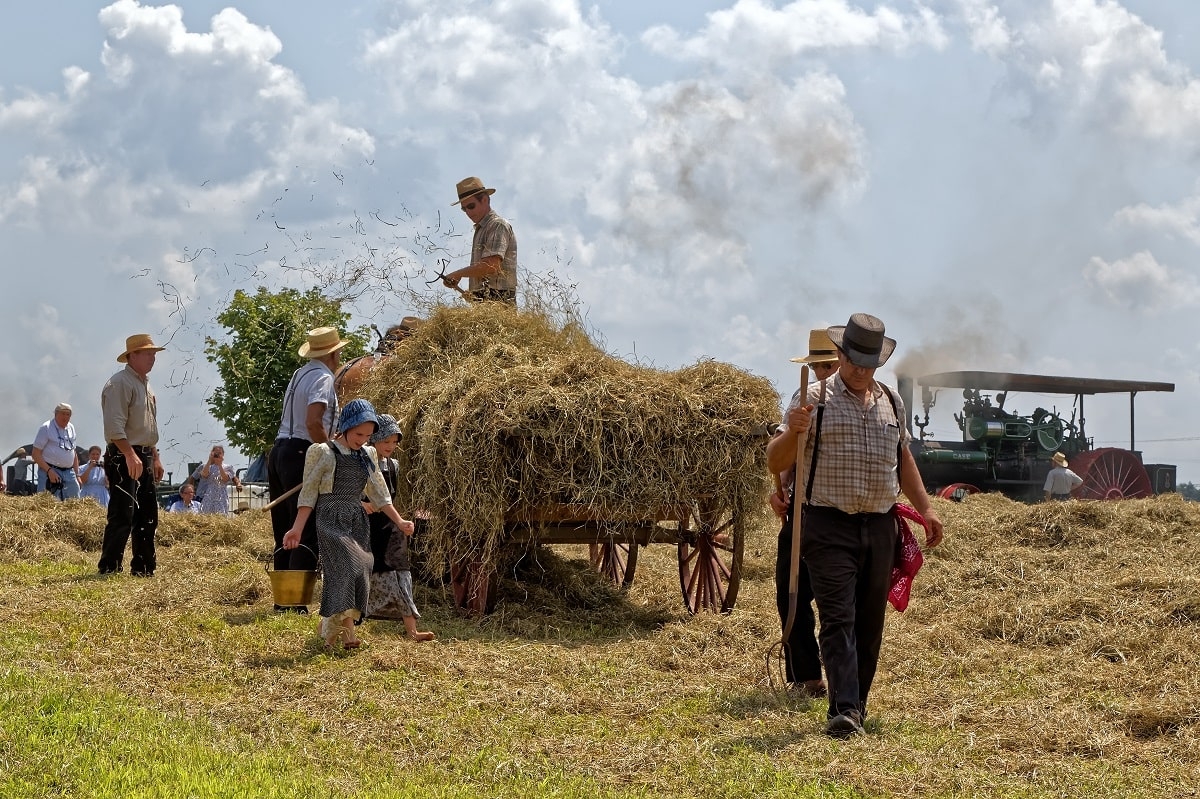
{"x": 466, "y": 295}
{"x": 282, "y": 497}
{"x": 794, "y": 564}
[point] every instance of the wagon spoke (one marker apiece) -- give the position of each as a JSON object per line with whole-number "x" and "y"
{"x": 710, "y": 558}
{"x": 615, "y": 560}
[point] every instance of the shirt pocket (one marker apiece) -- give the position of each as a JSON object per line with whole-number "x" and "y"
{"x": 883, "y": 441}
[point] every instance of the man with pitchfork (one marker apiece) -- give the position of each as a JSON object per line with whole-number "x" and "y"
{"x": 801, "y": 656}
{"x": 850, "y": 535}
{"x": 492, "y": 273}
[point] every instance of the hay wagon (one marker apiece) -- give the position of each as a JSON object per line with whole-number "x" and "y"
{"x": 517, "y": 431}
{"x": 707, "y": 531}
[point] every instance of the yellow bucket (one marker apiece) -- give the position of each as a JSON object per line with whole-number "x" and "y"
{"x": 292, "y": 586}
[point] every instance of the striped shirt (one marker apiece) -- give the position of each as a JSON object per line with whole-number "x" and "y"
{"x": 856, "y": 464}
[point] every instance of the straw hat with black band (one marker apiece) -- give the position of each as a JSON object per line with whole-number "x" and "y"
{"x": 820, "y": 348}
{"x": 469, "y": 187}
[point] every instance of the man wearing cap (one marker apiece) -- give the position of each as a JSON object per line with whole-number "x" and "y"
{"x": 850, "y": 535}
{"x": 310, "y": 406}
{"x": 1061, "y": 481}
{"x": 801, "y": 655}
{"x": 131, "y": 461}
{"x": 492, "y": 273}
{"x": 55, "y": 455}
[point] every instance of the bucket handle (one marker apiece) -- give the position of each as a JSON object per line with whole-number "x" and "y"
{"x": 267, "y": 567}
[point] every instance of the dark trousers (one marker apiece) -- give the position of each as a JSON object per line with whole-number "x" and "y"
{"x": 132, "y": 512}
{"x": 801, "y": 656}
{"x": 285, "y": 470}
{"x": 849, "y": 561}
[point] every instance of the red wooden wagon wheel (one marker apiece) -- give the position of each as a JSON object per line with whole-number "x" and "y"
{"x": 710, "y": 557}
{"x": 615, "y": 560}
{"x": 473, "y": 584}
{"x": 1110, "y": 473}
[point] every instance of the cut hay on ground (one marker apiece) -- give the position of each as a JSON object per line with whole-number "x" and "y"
{"x": 505, "y": 412}
{"x": 1049, "y": 651}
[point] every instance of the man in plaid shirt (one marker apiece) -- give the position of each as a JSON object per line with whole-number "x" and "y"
{"x": 492, "y": 273}
{"x": 849, "y": 533}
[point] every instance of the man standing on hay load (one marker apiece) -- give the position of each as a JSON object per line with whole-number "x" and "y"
{"x": 131, "y": 462}
{"x": 492, "y": 273}
{"x": 850, "y": 534}
{"x": 310, "y": 406}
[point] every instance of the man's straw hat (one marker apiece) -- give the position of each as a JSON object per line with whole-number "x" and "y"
{"x": 468, "y": 187}
{"x": 1060, "y": 459}
{"x": 820, "y": 348}
{"x": 136, "y": 343}
{"x": 321, "y": 342}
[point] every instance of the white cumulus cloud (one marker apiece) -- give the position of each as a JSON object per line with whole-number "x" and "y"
{"x": 1140, "y": 283}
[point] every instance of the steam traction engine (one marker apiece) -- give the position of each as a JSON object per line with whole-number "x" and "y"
{"x": 1004, "y": 451}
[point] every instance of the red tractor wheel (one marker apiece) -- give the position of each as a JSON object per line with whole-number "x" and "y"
{"x": 1111, "y": 473}
{"x": 957, "y": 491}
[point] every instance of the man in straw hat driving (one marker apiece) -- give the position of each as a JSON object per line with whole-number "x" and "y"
{"x": 492, "y": 273}
{"x": 850, "y": 534}
{"x": 310, "y": 406}
{"x": 801, "y": 656}
{"x": 1061, "y": 481}
{"x": 131, "y": 462}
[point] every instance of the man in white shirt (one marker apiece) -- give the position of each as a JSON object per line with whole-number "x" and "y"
{"x": 187, "y": 501}
{"x": 309, "y": 407}
{"x": 1061, "y": 481}
{"x": 54, "y": 453}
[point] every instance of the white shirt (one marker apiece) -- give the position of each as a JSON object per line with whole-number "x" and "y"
{"x": 57, "y": 445}
{"x": 178, "y": 507}
{"x": 312, "y": 383}
{"x": 1062, "y": 480}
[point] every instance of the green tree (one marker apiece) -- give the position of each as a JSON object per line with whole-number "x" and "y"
{"x": 258, "y": 356}
{"x": 1188, "y": 491}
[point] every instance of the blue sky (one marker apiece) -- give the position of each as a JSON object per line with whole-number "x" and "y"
{"x": 1008, "y": 185}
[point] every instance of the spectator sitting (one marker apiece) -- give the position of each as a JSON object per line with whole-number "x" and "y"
{"x": 187, "y": 501}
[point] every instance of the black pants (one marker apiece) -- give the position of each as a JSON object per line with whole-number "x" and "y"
{"x": 801, "y": 656}
{"x": 285, "y": 470}
{"x": 849, "y": 561}
{"x": 132, "y": 511}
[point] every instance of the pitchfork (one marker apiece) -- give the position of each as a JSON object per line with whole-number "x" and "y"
{"x": 778, "y": 651}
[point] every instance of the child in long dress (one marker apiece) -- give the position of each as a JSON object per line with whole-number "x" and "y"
{"x": 391, "y": 578}
{"x": 336, "y": 475}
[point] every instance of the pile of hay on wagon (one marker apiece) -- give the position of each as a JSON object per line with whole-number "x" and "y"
{"x": 504, "y": 412}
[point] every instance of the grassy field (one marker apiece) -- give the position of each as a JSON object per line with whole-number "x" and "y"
{"x": 1049, "y": 651}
